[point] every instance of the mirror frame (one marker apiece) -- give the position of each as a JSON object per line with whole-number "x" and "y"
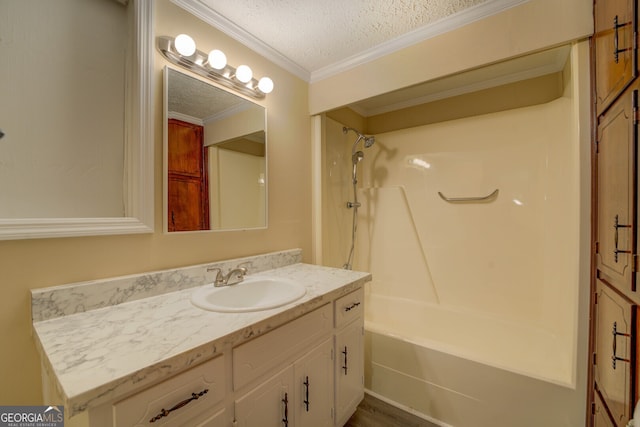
{"x": 165, "y": 154}
{"x": 138, "y": 161}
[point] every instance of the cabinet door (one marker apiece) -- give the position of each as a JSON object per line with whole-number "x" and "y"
{"x": 314, "y": 387}
{"x": 614, "y": 340}
{"x": 268, "y": 405}
{"x": 349, "y": 370}
{"x": 616, "y": 187}
{"x": 187, "y": 178}
{"x": 600, "y": 416}
{"x": 615, "y": 55}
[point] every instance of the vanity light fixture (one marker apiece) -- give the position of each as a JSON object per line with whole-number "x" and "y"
{"x": 182, "y": 51}
{"x": 185, "y": 45}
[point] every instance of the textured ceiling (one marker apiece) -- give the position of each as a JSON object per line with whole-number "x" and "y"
{"x": 199, "y": 100}
{"x": 315, "y": 39}
{"x": 316, "y": 34}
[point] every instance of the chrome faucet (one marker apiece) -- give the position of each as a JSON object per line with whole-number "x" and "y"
{"x": 235, "y": 275}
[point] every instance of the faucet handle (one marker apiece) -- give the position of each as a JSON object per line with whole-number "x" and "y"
{"x": 244, "y": 265}
{"x": 219, "y": 277}
{"x": 235, "y": 275}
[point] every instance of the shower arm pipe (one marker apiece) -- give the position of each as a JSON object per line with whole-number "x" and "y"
{"x": 468, "y": 199}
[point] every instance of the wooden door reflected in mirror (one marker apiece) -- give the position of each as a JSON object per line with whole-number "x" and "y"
{"x": 215, "y": 157}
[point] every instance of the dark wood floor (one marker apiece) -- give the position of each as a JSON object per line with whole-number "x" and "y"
{"x": 374, "y": 412}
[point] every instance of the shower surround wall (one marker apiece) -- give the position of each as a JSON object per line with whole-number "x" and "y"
{"x": 472, "y": 314}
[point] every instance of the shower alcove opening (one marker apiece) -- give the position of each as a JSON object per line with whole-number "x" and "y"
{"x": 475, "y": 315}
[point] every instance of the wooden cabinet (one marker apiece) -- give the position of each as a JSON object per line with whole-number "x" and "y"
{"x": 615, "y": 296}
{"x": 613, "y": 49}
{"x": 187, "y": 178}
{"x": 601, "y": 417}
{"x": 614, "y": 360}
{"x": 616, "y": 191}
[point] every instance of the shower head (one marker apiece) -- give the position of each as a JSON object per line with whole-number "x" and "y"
{"x": 368, "y": 140}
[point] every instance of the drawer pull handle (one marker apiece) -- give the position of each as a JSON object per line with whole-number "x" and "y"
{"x": 616, "y": 39}
{"x": 345, "y": 360}
{"x": 165, "y": 412}
{"x": 614, "y": 357}
{"x": 352, "y": 306}
{"x": 285, "y": 420}
{"x": 616, "y": 226}
{"x": 306, "y": 393}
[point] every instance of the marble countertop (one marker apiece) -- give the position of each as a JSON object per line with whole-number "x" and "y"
{"x": 102, "y": 354}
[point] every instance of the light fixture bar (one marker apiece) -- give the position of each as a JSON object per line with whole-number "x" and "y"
{"x": 198, "y": 63}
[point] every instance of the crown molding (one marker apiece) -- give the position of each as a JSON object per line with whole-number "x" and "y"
{"x": 450, "y": 23}
{"x": 460, "y": 19}
{"x": 213, "y": 18}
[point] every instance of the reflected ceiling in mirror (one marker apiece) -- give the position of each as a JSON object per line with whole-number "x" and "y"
{"x": 214, "y": 157}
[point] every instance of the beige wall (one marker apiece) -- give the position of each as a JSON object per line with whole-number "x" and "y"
{"x": 48, "y": 111}
{"x": 28, "y": 264}
{"x": 529, "y": 27}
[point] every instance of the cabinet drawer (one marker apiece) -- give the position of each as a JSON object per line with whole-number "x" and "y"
{"x": 189, "y": 386}
{"x": 614, "y": 335}
{"x": 257, "y": 357}
{"x": 349, "y": 307}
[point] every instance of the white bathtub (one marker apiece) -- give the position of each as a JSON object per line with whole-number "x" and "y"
{"x": 465, "y": 369}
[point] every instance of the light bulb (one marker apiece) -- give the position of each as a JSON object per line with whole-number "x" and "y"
{"x": 185, "y": 45}
{"x": 244, "y": 73}
{"x": 265, "y": 85}
{"x": 217, "y": 59}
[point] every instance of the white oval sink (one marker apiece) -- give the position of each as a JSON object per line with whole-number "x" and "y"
{"x": 252, "y": 294}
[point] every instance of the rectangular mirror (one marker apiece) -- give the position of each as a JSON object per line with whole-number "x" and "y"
{"x": 215, "y": 175}
{"x": 76, "y": 158}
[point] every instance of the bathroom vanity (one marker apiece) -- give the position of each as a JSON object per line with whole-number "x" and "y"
{"x": 140, "y": 359}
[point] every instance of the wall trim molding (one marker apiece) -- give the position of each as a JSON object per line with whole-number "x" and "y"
{"x": 460, "y": 19}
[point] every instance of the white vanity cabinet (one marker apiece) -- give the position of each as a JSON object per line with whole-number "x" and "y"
{"x": 349, "y": 361}
{"x": 299, "y": 395}
{"x": 301, "y": 391}
{"x": 304, "y": 372}
{"x": 267, "y": 405}
{"x": 321, "y": 387}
